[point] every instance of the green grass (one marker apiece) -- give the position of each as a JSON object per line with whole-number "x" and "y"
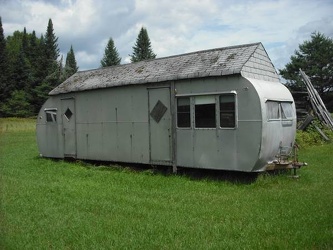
{"x": 17, "y": 124}
{"x": 48, "y": 204}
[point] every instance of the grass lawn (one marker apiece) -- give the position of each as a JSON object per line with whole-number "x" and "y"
{"x": 47, "y": 204}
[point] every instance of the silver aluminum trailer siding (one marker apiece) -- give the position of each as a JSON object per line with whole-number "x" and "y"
{"x": 234, "y": 121}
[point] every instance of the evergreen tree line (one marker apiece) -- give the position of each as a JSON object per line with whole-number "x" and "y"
{"x": 29, "y": 69}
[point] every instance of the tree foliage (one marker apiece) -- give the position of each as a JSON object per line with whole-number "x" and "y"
{"x": 4, "y": 92}
{"x": 51, "y": 45}
{"x": 111, "y": 56}
{"x": 18, "y": 105}
{"x": 315, "y": 58}
{"x": 29, "y": 69}
{"x": 142, "y": 49}
{"x": 71, "y": 65}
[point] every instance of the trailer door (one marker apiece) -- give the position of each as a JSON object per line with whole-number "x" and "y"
{"x": 159, "y": 125}
{"x": 69, "y": 127}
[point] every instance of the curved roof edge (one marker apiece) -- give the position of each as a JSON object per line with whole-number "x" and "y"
{"x": 273, "y": 91}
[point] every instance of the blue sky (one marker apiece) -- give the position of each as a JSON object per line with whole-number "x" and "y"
{"x": 174, "y": 27}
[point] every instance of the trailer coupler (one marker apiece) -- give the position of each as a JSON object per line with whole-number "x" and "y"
{"x": 287, "y": 161}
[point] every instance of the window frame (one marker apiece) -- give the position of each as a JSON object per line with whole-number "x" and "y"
{"x": 216, "y": 95}
{"x": 280, "y": 110}
{"x": 52, "y": 113}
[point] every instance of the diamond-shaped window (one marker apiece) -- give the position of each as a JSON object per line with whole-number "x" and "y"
{"x": 68, "y": 113}
{"x": 158, "y": 111}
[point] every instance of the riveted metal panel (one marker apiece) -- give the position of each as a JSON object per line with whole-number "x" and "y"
{"x": 160, "y": 129}
{"x": 112, "y": 125}
{"x": 221, "y": 148}
{"x": 49, "y": 134}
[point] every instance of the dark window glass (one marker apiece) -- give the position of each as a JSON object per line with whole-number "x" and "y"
{"x": 227, "y": 111}
{"x": 183, "y": 112}
{"x": 51, "y": 115}
{"x": 205, "y": 115}
{"x": 68, "y": 113}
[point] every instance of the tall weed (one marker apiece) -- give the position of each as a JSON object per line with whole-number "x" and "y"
{"x": 311, "y": 136}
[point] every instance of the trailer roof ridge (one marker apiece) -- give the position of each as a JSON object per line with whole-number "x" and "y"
{"x": 205, "y": 63}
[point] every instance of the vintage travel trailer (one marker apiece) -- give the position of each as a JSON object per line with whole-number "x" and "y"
{"x": 215, "y": 109}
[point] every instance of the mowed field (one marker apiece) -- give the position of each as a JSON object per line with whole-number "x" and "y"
{"x": 49, "y": 204}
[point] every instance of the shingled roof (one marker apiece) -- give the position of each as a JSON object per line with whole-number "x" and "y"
{"x": 249, "y": 60}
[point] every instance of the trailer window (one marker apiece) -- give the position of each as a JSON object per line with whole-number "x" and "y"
{"x": 273, "y": 111}
{"x": 183, "y": 112}
{"x": 205, "y": 112}
{"x": 227, "y": 111}
{"x": 287, "y": 110}
{"x": 51, "y": 114}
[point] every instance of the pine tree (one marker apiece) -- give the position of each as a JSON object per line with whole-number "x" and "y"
{"x": 17, "y": 105}
{"x": 49, "y": 70}
{"x": 3, "y": 68}
{"x": 32, "y": 53}
{"x": 51, "y": 46}
{"x": 52, "y": 50}
{"x": 29, "y": 70}
{"x": 41, "y": 59}
{"x": 142, "y": 49}
{"x": 52, "y": 54}
{"x": 22, "y": 72}
{"x": 70, "y": 66}
{"x": 41, "y": 71}
{"x": 36, "y": 64}
{"x": 25, "y": 42}
{"x": 22, "y": 77}
{"x": 111, "y": 55}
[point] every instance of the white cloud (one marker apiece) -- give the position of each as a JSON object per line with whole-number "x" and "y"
{"x": 86, "y": 58}
{"x": 173, "y": 26}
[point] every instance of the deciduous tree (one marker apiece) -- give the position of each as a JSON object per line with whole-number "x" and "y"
{"x": 315, "y": 58}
